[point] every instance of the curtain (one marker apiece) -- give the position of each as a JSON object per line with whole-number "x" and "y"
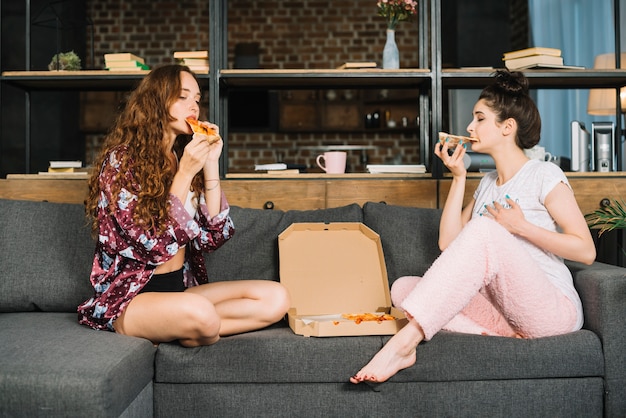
{"x": 582, "y": 29}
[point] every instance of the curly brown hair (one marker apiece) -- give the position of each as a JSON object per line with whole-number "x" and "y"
{"x": 140, "y": 129}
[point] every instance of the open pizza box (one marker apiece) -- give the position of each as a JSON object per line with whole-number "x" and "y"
{"x": 335, "y": 269}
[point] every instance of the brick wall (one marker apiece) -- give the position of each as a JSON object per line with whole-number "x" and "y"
{"x": 316, "y": 34}
{"x": 151, "y": 29}
{"x": 290, "y": 34}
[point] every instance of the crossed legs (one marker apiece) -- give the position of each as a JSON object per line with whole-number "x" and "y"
{"x": 201, "y": 314}
{"x": 484, "y": 265}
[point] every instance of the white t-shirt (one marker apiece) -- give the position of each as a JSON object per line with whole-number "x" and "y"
{"x": 529, "y": 188}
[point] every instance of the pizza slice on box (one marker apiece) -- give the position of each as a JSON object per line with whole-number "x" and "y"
{"x": 378, "y": 317}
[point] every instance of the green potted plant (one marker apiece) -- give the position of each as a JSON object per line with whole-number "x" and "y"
{"x": 611, "y": 216}
{"x": 68, "y": 61}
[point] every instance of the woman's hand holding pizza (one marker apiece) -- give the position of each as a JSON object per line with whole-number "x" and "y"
{"x": 195, "y": 156}
{"x": 454, "y": 162}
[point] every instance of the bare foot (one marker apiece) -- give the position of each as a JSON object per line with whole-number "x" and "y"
{"x": 397, "y": 354}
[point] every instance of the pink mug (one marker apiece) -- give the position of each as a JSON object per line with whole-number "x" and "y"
{"x": 334, "y": 162}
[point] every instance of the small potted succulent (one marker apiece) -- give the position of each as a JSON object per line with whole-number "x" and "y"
{"x": 67, "y": 61}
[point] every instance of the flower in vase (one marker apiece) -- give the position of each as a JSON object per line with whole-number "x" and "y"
{"x": 395, "y": 11}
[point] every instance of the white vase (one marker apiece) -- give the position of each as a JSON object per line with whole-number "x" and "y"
{"x": 391, "y": 56}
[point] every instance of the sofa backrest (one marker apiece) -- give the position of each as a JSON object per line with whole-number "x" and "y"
{"x": 46, "y": 250}
{"x": 408, "y": 236}
{"x": 46, "y": 253}
{"x": 252, "y": 252}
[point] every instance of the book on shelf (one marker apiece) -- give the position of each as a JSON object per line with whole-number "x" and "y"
{"x": 195, "y": 61}
{"x": 353, "y": 65}
{"x": 124, "y": 61}
{"x": 287, "y": 171}
{"x": 552, "y": 67}
{"x": 78, "y": 174}
{"x": 123, "y": 69}
{"x": 65, "y": 170}
{"x": 63, "y": 166}
{"x": 280, "y": 168}
{"x": 535, "y": 50}
{"x": 532, "y": 61}
{"x": 66, "y": 164}
{"x": 195, "y": 64}
{"x": 396, "y": 168}
{"x": 270, "y": 167}
{"x": 126, "y": 64}
{"x": 123, "y": 56}
{"x": 61, "y": 170}
{"x": 191, "y": 54}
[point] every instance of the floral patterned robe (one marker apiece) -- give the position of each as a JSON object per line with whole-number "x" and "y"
{"x": 126, "y": 254}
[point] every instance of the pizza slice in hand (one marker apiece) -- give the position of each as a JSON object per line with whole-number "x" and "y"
{"x": 198, "y": 128}
{"x": 454, "y": 140}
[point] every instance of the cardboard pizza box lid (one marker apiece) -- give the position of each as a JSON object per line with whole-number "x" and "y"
{"x": 333, "y": 269}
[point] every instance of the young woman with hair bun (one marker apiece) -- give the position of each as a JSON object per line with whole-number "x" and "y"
{"x": 501, "y": 270}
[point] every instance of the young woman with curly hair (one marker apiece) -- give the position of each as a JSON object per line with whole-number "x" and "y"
{"x": 155, "y": 205}
{"x": 501, "y": 270}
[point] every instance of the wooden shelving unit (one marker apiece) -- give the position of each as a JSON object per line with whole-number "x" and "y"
{"x": 431, "y": 80}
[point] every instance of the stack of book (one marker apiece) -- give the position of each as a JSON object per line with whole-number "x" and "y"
{"x": 124, "y": 61}
{"x": 197, "y": 61}
{"x": 65, "y": 166}
{"x": 535, "y": 57}
{"x": 279, "y": 168}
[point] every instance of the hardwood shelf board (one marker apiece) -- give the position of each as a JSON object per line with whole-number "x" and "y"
{"x": 538, "y": 78}
{"x": 59, "y": 190}
{"x": 324, "y": 176}
{"x": 81, "y": 175}
{"x": 84, "y": 80}
{"x": 596, "y": 175}
{"x": 325, "y": 78}
{"x": 568, "y": 174}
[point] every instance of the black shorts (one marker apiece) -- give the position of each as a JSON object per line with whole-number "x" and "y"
{"x": 166, "y": 282}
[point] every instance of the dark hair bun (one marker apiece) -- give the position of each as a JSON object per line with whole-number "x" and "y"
{"x": 511, "y": 82}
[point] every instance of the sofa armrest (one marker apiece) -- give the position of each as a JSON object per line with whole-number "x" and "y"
{"x": 602, "y": 289}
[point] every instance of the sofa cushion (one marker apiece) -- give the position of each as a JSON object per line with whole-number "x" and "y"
{"x": 52, "y": 366}
{"x": 464, "y": 357}
{"x": 408, "y": 235}
{"x": 252, "y": 252}
{"x": 277, "y": 355}
{"x": 46, "y": 253}
{"x": 271, "y": 355}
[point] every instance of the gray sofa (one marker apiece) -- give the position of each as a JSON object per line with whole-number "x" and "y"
{"x": 51, "y": 366}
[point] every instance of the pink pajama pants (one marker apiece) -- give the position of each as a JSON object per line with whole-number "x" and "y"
{"x": 485, "y": 282}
